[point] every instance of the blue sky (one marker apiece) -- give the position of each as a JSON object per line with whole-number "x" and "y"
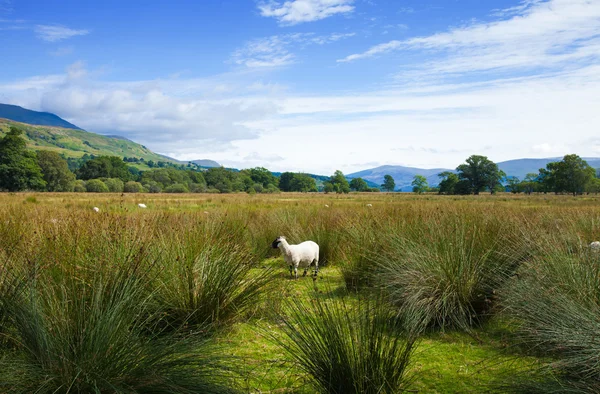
{"x": 314, "y": 85}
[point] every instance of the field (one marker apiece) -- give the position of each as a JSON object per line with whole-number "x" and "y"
{"x": 432, "y": 294}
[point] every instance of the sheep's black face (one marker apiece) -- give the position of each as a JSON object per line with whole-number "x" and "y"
{"x": 275, "y": 243}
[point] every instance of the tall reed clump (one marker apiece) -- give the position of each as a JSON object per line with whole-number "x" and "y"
{"x": 207, "y": 275}
{"x": 86, "y": 320}
{"x": 347, "y": 349}
{"x": 444, "y": 271}
{"x": 555, "y": 305}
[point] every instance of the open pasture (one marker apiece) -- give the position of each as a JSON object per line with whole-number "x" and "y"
{"x": 415, "y": 294}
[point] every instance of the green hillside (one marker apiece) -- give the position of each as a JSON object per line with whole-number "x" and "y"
{"x": 75, "y": 143}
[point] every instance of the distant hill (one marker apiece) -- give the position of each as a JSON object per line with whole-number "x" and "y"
{"x": 76, "y": 142}
{"x": 48, "y": 131}
{"x": 206, "y": 163}
{"x": 19, "y": 114}
{"x": 403, "y": 176}
{"x": 521, "y": 167}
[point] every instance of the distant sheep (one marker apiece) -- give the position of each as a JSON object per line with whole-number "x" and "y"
{"x": 96, "y": 209}
{"x": 326, "y": 206}
{"x": 142, "y": 205}
{"x": 303, "y": 254}
{"x": 595, "y": 246}
{"x": 369, "y": 205}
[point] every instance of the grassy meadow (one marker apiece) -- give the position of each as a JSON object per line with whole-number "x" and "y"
{"x": 431, "y": 294}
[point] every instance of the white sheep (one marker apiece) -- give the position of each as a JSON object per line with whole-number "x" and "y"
{"x": 96, "y": 209}
{"x": 369, "y": 205}
{"x": 595, "y": 246}
{"x": 303, "y": 254}
{"x": 142, "y": 205}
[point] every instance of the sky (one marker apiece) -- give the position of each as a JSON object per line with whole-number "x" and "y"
{"x": 314, "y": 85}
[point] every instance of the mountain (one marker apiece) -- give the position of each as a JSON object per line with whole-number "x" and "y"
{"x": 19, "y": 114}
{"x": 76, "y": 142}
{"x": 403, "y": 176}
{"x": 206, "y": 163}
{"x": 44, "y": 130}
{"x": 521, "y": 167}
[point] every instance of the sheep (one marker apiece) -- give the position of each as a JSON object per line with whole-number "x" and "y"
{"x": 369, "y": 205}
{"x": 595, "y": 246}
{"x": 326, "y": 206}
{"x": 96, "y": 209}
{"x": 142, "y": 205}
{"x": 305, "y": 253}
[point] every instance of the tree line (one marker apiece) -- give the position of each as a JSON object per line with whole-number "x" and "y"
{"x": 44, "y": 170}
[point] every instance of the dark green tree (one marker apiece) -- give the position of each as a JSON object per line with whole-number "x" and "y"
{"x": 285, "y": 181}
{"x": 19, "y": 169}
{"x": 56, "y": 172}
{"x": 388, "y": 183}
{"x": 571, "y": 174}
{"x": 303, "y": 183}
{"x": 104, "y": 167}
{"x": 481, "y": 173}
{"x": 339, "y": 182}
{"x": 420, "y": 184}
{"x": 530, "y": 184}
{"x": 448, "y": 183}
{"x": 359, "y": 185}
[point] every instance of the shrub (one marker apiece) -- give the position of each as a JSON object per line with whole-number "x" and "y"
{"x": 177, "y": 188}
{"x": 347, "y": 349}
{"x": 79, "y": 186}
{"x": 153, "y": 187}
{"x": 95, "y": 186}
{"x": 115, "y": 185}
{"x": 133, "y": 187}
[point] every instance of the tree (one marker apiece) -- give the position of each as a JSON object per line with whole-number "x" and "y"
{"x": 572, "y": 174}
{"x": 480, "y": 173}
{"x": 530, "y": 183}
{"x": 19, "y": 169}
{"x": 448, "y": 182}
{"x": 115, "y": 185}
{"x": 420, "y": 184}
{"x": 303, "y": 183}
{"x": 514, "y": 185}
{"x": 388, "y": 183}
{"x": 593, "y": 186}
{"x": 263, "y": 176}
{"x": 339, "y": 182}
{"x": 133, "y": 187}
{"x": 96, "y": 186}
{"x": 55, "y": 171}
{"x": 359, "y": 185}
{"x": 285, "y": 181}
{"x": 104, "y": 167}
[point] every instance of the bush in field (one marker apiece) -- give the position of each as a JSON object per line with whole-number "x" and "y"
{"x": 555, "y": 305}
{"x": 153, "y": 187}
{"x": 133, "y": 187}
{"x": 79, "y": 186}
{"x": 177, "y": 188}
{"x": 347, "y": 349}
{"x": 447, "y": 271}
{"x": 96, "y": 186}
{"x": 115, "y": 185}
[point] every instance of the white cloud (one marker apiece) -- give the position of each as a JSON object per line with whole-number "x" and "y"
{"x": 54, "y": 33}
{"x": 536, "y": 34}
{"x": 275, "y": 51}
{"x": 298, "y": 11}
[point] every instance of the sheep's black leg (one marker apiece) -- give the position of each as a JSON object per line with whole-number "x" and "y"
{"x": 316, "y": 271}
{"x": 305, "y": 271}
{"x": 291, "y": 270}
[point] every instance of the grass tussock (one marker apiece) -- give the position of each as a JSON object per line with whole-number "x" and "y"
{"x": 555, "y": 305}
{"x": 347, "y": 349}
